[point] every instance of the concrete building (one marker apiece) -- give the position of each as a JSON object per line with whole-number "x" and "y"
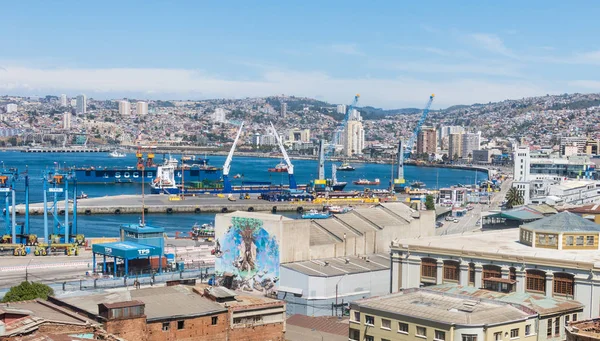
{"x": 353, "y": 138}
{"x": 73, "y": 102}
{"x": 268, "y": 140}
{"x": 124, "y": 108}
{"x": 256, "y": 139}
{"x": 587, "y": 330}
{"x": 299, "y": 135}
{"x": 551, "y": 256}
{"x": 578, "y": 142}
{"x": 470, "y": 142}
{"x": 81, "y": 104}
{"x": 142, "y": 108}
{"x": 429, "y": 315}
{"x": 314, "y": 287}
{"x": 455, "y": 146}
{"x": 355, "y": 115}
{"x": 67, "y": 120}
{"x": 11, "y": 108}
{"x": 482, "y": 157}
{"x": 283, "y": 109}
{"x": 279, "y": 241}
{"x": 427, "y": 141}
{"x": 444, "y": 135}
{"x": 63, "y": 100}
{"x": 341, "y": 109}
{"x": 219, "y": 115}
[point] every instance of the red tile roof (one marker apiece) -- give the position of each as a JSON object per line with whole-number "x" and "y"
{"x": 326, "y": 324}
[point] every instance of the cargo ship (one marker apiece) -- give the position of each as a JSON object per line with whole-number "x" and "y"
{"x": 119, "y": 175}
{"x": 366, "y": 182}
{"x": 280, "y": 168}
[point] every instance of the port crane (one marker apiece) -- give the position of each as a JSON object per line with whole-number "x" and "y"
{"x": 405, "y": 151}
{"x": 227, "y": 188}
{"x": 290, "y": 166}
{"x": 413, "y": 138}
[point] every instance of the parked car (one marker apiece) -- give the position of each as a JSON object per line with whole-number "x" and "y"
{"x": 439, "y": 224}
{"x": 455, "y": 220}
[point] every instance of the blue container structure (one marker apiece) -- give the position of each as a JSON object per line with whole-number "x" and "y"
{"x": 138, "y": 241}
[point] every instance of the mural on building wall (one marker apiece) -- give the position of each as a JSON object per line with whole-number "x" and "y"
{"x": 249, "y": 253}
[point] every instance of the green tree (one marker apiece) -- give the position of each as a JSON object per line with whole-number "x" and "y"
{"x": 513, "y": 198}
{"x": 28, "y": 291}
{"x": 429, "y": 203}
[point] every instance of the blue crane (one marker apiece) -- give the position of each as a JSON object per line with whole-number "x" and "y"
{"x": 413, "y": 138}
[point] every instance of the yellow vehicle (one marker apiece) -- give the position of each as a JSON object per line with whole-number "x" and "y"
{"x": 247, "y": 196}
{"x": 70, "y": 249}
{"x": 17, "y": 249}
{"x": 174, "y": 198}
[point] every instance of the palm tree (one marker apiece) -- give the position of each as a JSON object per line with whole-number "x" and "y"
{"x": 513, "y": 198}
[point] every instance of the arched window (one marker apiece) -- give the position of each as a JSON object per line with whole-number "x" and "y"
{"x": 535, "y": 280}
{"x": 563, "y": 284}
{"x": 491, "y": 271}
{"x": 429, "y": 268}
{"x": 451, "y": 270}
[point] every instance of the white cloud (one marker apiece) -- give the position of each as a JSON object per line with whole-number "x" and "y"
{"x": 348, "y": 49}
{"x": 492, "y": 69}
{"x": 492, "y": 43}
{"x": 193, "y": 84}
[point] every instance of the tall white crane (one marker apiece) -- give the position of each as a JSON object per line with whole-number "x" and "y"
{"x": 227, "y": 166}
{"x": 290, "y": 166}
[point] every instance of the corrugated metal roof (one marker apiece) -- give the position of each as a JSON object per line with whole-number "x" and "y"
{"x": 563, "y": 222}
{"x": 330, "y": 267}
{"x": 519, "y": 214}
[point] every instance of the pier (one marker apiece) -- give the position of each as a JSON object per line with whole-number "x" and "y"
{"x": 65, "y": 150}
{"x": 132, "y": 204}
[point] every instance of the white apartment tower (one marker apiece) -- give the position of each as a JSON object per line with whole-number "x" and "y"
{"x": 124, "y": 108}
{"x": 341, "y": 109}
{"x": 81, "y": 104}
{"x": 10, "y": 108}
{"x": 67, "y": 120}
{"x": 142, "y": 108}
{"x": 63, "y": 100}
{"x": 219, "y": 115}
{"x": 283, "y": 109}
{"x": 354, "y": 138}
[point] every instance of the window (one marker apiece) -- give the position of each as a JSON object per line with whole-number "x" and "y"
{"x": 214, "y": 320}
{"x": 180, "y": 324}
{"x": 563, "y": 284}
{"x": 535, "y": 281}
{"x": 469, "y": 337}
{"x": 575, "y": 317}
{"x": 472, "y": 273}
{"x": 402, "y": 328}
{"x": 514, "y": 333}
{"x": 166, "y": 326}
{"x": 386, "y": 324}
{"x": 557, "y": 326}
{"x": 421, "y": 331}
{"x": 549, "y": 328}
{"x": 354, "y": 334}
{"x": 567, "y": 317}
{"x": 498, "y": 336}
{"x": 579, "y": 241}
{"x": 570, "y": 240}
{"x": 369, "y": 338}
{"x": 491, "y": 271}
{"x": 528, "y": 330}
{"x": 439, "y": 335}
{"x": 428, "y": 268}
{"x": 512, "y": 273}
{"x": 369, "y": 320}
{"x": 451, "y": 270}
{"x": 357, "y": 316}
{"x": 589, "y": 240}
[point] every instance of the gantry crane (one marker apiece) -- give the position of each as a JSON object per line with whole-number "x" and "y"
{"x": 413, "y": 138}
{"x": 290, "y": 166}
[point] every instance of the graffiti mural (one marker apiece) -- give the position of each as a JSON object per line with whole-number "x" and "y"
{"x": 249, "y": 253}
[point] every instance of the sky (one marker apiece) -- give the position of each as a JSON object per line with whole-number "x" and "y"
{"x": 393, "y": 53}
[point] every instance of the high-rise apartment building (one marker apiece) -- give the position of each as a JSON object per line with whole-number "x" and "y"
{"x": 67, "y": 120}
{"x": 354, "y": 138}
{"x": 355, "y": 115}
{"x": 455, "y": 146}
{"x": 470, "y": 142}
{"x": 63, "y": 100}
{"x": 10, "y": 108}
{"x": 341, "y": 109}
{"x": 142, "y": 108}
{"x": 81, "y": 104}
{"x": 124, "y": 108}
{"x": 219, "y": 115}
{"x": 444, "y": 135}
{"x": 427, "y": 141}
{"x": 283, "y": 109}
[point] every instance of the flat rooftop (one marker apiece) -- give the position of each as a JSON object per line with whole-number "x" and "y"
{"x": 539, "y": 302}
{"x": 161, "y": 302}
{"x": 330, "y": 267}
{"x": 443, "y": 308}
{"x": 498, "y": 244}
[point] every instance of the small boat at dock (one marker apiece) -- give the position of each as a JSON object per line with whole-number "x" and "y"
{"x": 314, "y": 214}
{"x": 365, "y": 182}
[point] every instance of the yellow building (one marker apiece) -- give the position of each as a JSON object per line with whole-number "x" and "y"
{"x": 422, "y": 314}
{"x": 564, "y": 231}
